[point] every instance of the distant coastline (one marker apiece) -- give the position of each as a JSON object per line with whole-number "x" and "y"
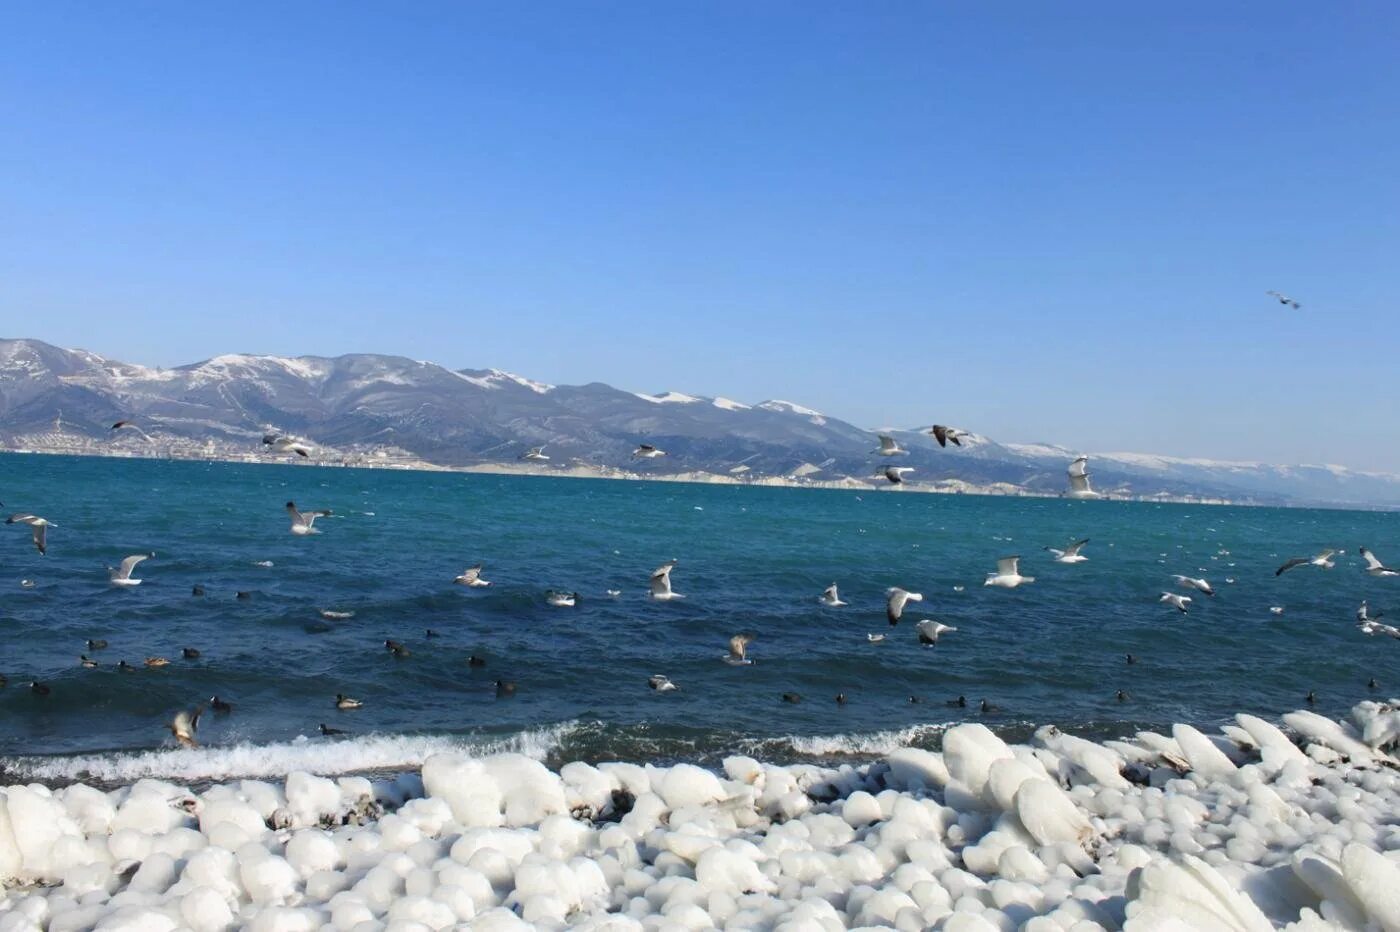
{"x": 404, "y": 462}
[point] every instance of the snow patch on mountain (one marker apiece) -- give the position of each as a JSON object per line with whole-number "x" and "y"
{"x": 787, "y": 407}
{"x": 730, "y": 405}
{"x": 679, "y": 398}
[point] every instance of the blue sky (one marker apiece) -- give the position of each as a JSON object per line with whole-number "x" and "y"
{"x": 1035, "y": 221}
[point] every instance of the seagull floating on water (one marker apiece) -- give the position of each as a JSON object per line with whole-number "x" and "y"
{"x": 471, "y": 576}
{"x": 1276, "y": 609}
{"x": 930, "y": 631}
{"x": 1008, "y": 574}
{"x": 303, "y": 521}
{"x": 661, "y": 582}
{"x": 895, "y": 474}
{"x": 121, "y": 575}
{"x": 831, "y": 597}
{"x": 1323, "y": 559}
{"x": 1071, "y": 552}
{"x": 874, "y": 638}
{"x": 897, "y": 599}
{"x": 1179, "y": 602}
{"x": 1200, "y": 585}
{"x": 38, "y": 526}
{"x": 738, "y": 655}
{"x": 345, "y": 703}
{"x": 1283, "y": 299}
{"x": 889, "y": 446}
{"x": 661, "y": 683}
{"x": 946, "y": 435}
{"x": 1375, "y": 567}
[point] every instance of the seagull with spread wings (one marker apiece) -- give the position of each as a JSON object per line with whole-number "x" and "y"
{"x": 1375, "y": 567}
{"x": 38, "y": 526}
{"x": 1323, "y": 559}
{"x": 896, "y": 599}
{"x": 1008, "y": 574}
{"x": 946, "y": 435}
{"x": 1071, "y": 552}
{"x": 121, "y": 575}
{"x": 889, "y": 446}
{"x": 661, "y": 582}
{"x": 303, "y": 521}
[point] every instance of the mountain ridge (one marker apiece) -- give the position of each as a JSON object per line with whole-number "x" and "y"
{"x": 466, "y": 417}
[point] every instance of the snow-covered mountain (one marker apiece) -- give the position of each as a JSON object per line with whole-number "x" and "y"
{"x": 461, "y": 417}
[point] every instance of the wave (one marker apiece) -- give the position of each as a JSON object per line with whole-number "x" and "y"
{"x": 859, "y": 744}
{"x": 360, "y": 754}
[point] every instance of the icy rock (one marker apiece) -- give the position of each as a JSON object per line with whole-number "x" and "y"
{"x": 969, "y": 751}
{"x": 1049, "y": 815}
{"x": 1190, "y": 895}
{"x": 1203, "y": 756}
{"x": 688, "y": 785}
{"x": 914, "y": 768}
{"x": 1375, "y": 882}
{"x": 269, "y": 879}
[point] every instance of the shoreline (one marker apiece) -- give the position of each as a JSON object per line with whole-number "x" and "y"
{"x": 694, "y": 477}
{"x": 1249, "y": 827}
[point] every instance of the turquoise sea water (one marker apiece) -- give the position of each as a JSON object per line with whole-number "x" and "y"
{"x": 750, "y": 559}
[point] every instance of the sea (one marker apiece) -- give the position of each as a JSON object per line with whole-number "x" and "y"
{"x": 749, "y": 559}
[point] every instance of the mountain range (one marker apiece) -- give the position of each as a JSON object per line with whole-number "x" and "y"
{"x": 465, "y": 417}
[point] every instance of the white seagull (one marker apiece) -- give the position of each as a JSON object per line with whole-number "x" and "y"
{"x": 1366, "y": 621}
{"x": 1071, "y": 552}
{"x": 1283, "y": 299}
{"x": 535, "y": 454}
{"x": 889, "y": 446}
{"x": 302, "y": 521}
{"x": 895, "y": 474}
{"x": 1008, "y": 574}
{"x": 561, "y": 599}
{"x": 39, "y": 526}
{"x": 1179, "y": 602}
{"x": 831, "y": 597}
{"x": 281, "y": 443}
{"x": 1200, "y": 585}
{"x": 897, "y": 599}
{"x": 1364, "y": 614}
{"x": 1323, "y": 559}
{"x": 874, "y": 638}
{"x": 471, "y": 576}
{"x": 1375, "y": 567}
{"x": 930, "y": 630}
{"x": 661, "y": 582}
{"x": 121, "y": 575}
{"x": 661, "y": 683}
{"x": 738, "y": 655}
{"x": 130, "y": 425}
{"x": 946, "y": 435}
{"x": 1079, "y": 480}
{"x": 647, "y": 451}
{"x": 184, "y": 727}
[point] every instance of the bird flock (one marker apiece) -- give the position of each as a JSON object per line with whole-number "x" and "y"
{"x": 928, "y": 631}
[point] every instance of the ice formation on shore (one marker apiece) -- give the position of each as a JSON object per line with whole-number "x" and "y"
{"x": 1249, "y": 829}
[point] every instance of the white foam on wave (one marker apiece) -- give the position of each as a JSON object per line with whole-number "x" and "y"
{"x": 874, "y": 743}
{"x": 314, "y": 755}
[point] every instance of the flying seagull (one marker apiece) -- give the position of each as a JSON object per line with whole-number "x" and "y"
{"x": 930, "y": 630}
{"x": 130, "y": 425}
{"x": 561, "y": 599}
{"x": 1179, "y": 602}
{"x": 1071, "y": 552}
{"x": 895, "y": 474}
{"x": 302, "y": 521}
{"x": 1364, "y": 614}
{"x": 535, "y": 454}
{"x": 471, "y": 576}
{"x": 889, "y": 446}
{"x": 1079, "y": 479}
{"x": 281, "y": 443}
{"x": 1375, "y": 567}
{"x": 661, "y": 582}
{"x": 738, "y": 655}
{"x": 1366, "y": 621}
{"x": 1323, "y": 559}
{"x": 1283, "y": 299}
{"x": 647, "y": 451}
{"x": 945, "y": 435}
{"x": 898, "y": 598}
{"x": 831, "y": 597}
{"x": 1200, "y": 585}
{"x": 661, "y": 683}
{"x": 184, "y": 726}
{"x": 39, "y": 526}
{"x": 1008, "y": 574}
{"x": 121, "y": 575}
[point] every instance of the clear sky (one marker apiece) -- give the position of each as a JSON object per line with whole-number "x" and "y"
{"x": 1036, "y": 221}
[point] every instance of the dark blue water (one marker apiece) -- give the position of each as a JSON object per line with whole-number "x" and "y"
{"x": 751, "y": 559}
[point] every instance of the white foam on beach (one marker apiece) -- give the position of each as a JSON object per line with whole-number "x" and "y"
{"x": 866, "y": 744}
{"x": 320, "y": 756}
